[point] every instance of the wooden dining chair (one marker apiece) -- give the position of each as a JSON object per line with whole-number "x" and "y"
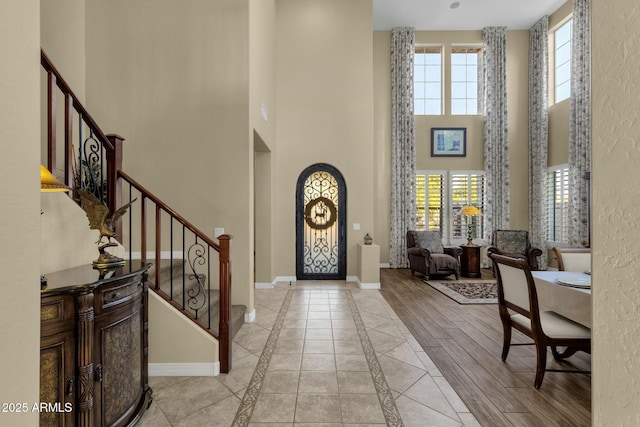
{"x": 573, "y": 259}
{"x": 518, "y": 306}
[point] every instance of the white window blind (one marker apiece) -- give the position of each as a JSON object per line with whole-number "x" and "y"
{"x": 466, "y": 189}
{"x": 439, "y": 197}
{"x": 558, "y": 211}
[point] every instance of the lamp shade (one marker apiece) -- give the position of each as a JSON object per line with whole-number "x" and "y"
{"x": 470, "y": 210}
{"x": 49, "y": 183}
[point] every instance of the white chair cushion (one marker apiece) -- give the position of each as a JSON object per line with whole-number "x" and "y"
{"x": 555, "y": 325}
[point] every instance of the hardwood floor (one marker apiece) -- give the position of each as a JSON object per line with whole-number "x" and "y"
{"x": 465, "y": 343}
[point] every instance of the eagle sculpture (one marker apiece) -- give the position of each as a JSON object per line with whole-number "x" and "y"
{"x": 98, "y": 214}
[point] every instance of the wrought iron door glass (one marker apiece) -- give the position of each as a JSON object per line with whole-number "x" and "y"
{"x": 321, "y": 225}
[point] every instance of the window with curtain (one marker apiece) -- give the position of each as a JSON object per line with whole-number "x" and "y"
{"x": 465, "y": 63}
{"x": 427, "y": 81}
{"x": 440, "y": 195}
{"x": 562, "y": 62}
{"x": 558, "y": 210}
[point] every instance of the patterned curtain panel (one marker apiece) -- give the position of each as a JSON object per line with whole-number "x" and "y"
{"x": 496, "y": 154}
{"x": 580, "y": 125}
{"x": 403, "y": 155}
{"x": 538, "y": 135}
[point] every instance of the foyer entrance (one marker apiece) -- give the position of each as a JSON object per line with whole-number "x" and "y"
{"x": 321, "y": 228}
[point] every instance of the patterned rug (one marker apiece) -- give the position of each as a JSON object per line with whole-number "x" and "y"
{"x": 467, "y": 291}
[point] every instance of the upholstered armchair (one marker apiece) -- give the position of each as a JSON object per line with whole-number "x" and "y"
{"x": 514, "y": 244}
{"x": 429, "y": 257}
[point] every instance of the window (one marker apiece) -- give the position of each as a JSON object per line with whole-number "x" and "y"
{"x": 439, "y": 197}
{"x": 558, "y": 202}
{"x": 429, "y": 201}
{"x": 464, "y": 80}
{"x": 427, "y": 81}
{"x": 562, "y": 62}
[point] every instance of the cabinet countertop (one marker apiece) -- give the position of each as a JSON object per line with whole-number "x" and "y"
{"x": 88, "y": 277}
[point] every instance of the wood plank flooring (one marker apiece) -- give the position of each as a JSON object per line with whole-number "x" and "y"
{"x": 465, "y": 343}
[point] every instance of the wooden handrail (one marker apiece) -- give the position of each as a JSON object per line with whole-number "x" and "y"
{"x": 112, "y": 157}
{"x": 148, "y": 195}
{"x": 65, "y": 88}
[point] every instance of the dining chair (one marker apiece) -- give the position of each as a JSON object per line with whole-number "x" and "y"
{"x": 573, "y": 259}
{"x": 518, "y": 307}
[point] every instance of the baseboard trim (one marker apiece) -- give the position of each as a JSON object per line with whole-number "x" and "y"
{"x": 283, "y": 279}
{"x": 184, "y": 369}
{"x": 367, "y": 285}
{"x": 264, "y": 285}
{"x": 250, "y": 317}
{"x": 385, "y": 265}
{"x": 352, "y": 279}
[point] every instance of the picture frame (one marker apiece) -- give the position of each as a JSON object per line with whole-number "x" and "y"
{"x": 448, "y": 142}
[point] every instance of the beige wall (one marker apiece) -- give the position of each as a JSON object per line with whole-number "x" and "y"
{"x": 518, "y": 131}
{"x": 615, "y": 158}
{"x": 65, "y": 237}
{"x": 325, "y": 111}
{"x": 382, "y": 141}
{"x": 173, "y": 79}
{"x": 20, "y": 207}
{"x": 262, "y": 75}
{"x": 188, "y": 343}
{"x": 62, "y": 37}
{"x": 558, "y": 148}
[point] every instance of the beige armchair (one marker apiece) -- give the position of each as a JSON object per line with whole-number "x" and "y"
{"x": 514, "y": 244}
{"x": 429, "y": 257}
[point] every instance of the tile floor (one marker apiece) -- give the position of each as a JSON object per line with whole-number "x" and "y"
{"x": 319, "y": 354}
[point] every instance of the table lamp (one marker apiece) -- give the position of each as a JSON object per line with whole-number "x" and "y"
{"x": 49, "y": 183}
{"x": 470, "y": 211}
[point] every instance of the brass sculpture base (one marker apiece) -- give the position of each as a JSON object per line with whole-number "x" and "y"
{"x": 107, "y": 260}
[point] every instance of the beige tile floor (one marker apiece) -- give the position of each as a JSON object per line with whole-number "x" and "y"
{"x": 318, "y": 354}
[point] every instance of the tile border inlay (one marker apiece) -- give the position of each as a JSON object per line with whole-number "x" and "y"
{"x": 250, "y": 398}
{"x": 387, "y": 402}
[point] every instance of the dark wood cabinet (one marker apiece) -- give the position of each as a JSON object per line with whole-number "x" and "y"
{"x": 470, "y": 261}
{"x": 93, "y": 346}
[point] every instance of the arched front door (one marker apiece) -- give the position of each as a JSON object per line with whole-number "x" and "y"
{"x": 321, "y": 227}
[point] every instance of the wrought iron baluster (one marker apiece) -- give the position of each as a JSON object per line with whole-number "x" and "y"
{"x": 195, "y": 256}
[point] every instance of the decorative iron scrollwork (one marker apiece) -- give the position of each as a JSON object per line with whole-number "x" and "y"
{"x": 196, "y": 255}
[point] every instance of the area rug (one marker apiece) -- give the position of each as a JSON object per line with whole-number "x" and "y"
{"x": 467, "y": 291}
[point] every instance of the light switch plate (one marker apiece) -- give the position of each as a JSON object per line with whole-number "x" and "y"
{"x": 356, "y": 226}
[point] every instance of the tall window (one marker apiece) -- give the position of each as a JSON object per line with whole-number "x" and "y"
{"x": 558, "y": 204}
{"x": 562, "y": 62}
{"x": 439, "y": 197}
{"x": 427, "y": 81}
{"x": 464, "y": 80}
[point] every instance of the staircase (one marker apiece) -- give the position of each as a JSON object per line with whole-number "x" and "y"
{"x": 177, "y": 283}
{"x": 189, "y": 270}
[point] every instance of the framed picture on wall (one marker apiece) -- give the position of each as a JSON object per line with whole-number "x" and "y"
{"x": 448, "y": 142}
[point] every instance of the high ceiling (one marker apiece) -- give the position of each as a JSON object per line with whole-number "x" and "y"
{"x": 438, "y": 15}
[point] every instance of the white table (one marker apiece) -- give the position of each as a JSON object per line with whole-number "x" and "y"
{"x": 570, "y": 302}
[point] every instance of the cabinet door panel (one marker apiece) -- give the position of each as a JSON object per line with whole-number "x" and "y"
{"x": 119, "y": 357}
{"x": 57, "y": 379}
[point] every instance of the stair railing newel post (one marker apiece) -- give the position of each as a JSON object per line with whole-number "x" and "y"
{"x": 114, "y": 184}
{"x": 224, "y": 329}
